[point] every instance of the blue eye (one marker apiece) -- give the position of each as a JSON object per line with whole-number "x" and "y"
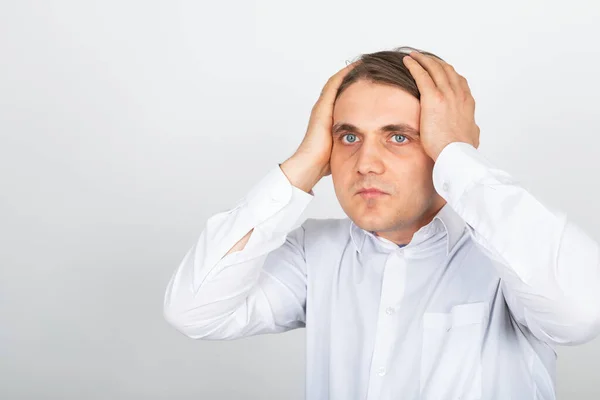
{"x": 402, "y": 136}
{"x": 351, "y": 136}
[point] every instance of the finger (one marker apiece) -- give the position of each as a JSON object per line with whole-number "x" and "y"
{"x": 332, "y": 84}
{"x": 421, "y": 76}
{"x": 460, "y": 85}
{"x": 453, "y": 77}
{"x": 458, "y": 82}
{"x": 434, "y": 69}
{"x": 462, "y": 81}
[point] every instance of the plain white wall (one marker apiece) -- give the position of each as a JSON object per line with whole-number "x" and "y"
{"x": 125, "y": 124}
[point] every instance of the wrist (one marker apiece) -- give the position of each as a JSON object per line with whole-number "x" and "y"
{"x": 302, "y": 173}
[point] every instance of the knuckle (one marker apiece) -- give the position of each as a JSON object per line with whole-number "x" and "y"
{"x": 438, "y": 96}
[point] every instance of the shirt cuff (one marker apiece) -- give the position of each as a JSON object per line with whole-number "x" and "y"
{"x": 270, "y": 195}
{"x": 458, "y": 167}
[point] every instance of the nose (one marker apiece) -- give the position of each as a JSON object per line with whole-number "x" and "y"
{"x": 369, "y": 159}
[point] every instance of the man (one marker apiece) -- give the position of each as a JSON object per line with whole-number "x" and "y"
{"x": 447, "y": 281}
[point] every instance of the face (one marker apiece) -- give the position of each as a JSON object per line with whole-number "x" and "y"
{"x": 376, "y": 145}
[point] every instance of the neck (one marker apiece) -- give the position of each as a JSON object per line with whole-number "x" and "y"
{"x": 404, "y": 235}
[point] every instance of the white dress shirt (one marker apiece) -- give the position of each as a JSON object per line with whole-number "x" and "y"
{"x": 470, "y": 309}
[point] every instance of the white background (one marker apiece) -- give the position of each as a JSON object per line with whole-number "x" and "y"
{"x": 126, "y": 124}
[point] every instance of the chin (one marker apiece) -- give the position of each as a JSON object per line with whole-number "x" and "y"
{"x": 372, "y": 222}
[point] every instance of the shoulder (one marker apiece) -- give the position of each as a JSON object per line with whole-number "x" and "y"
{"x": 322, "y": 230}
{"x": 326, "y": 226}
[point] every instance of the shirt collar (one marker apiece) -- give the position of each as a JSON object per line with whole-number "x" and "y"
{"x": 445, "y": 220}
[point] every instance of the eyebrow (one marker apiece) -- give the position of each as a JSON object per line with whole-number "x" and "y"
{"x": 402, "y": 128}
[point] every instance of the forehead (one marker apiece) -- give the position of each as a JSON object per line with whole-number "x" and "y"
{"x": 364, "y": 103}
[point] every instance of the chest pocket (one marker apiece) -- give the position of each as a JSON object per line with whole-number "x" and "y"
{"x": 451, "y": 353}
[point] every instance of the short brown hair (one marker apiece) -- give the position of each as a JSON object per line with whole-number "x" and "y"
{"x": 385, "y": 67}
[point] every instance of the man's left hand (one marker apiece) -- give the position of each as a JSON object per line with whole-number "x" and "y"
{"x": 447, "y": 106}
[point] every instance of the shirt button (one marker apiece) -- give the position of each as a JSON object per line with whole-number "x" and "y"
{"x": 381, "y": 371}
{"x": 445, "y": 186}
{"x": 390, "y": 310}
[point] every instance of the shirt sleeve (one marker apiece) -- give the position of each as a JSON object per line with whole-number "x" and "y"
{"x": 549, "y": 267}
{"x": 260, "y": 289}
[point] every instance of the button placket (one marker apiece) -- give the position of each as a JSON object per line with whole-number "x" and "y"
{"x": 392, "y": 291}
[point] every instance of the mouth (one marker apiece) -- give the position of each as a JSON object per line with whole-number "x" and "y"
{"x": 371, "y": 193}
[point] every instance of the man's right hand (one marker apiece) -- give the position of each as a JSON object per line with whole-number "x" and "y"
{"x": 310, "y": 162}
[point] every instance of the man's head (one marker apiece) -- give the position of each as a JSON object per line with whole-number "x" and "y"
{"x": 376, "y": 145}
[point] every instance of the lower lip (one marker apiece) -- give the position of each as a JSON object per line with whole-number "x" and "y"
{"x": 371, "y": 194}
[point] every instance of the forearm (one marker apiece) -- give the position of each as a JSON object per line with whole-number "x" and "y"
{"x": 302, "y": 172}
{"x": 301, "y": 175}
{"x": 549, "y": 266}
{"x": 217, "y": 274}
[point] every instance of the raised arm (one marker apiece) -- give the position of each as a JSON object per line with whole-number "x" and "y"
{"x": 246, "y": 273}
{"x": 550, "y": 268}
